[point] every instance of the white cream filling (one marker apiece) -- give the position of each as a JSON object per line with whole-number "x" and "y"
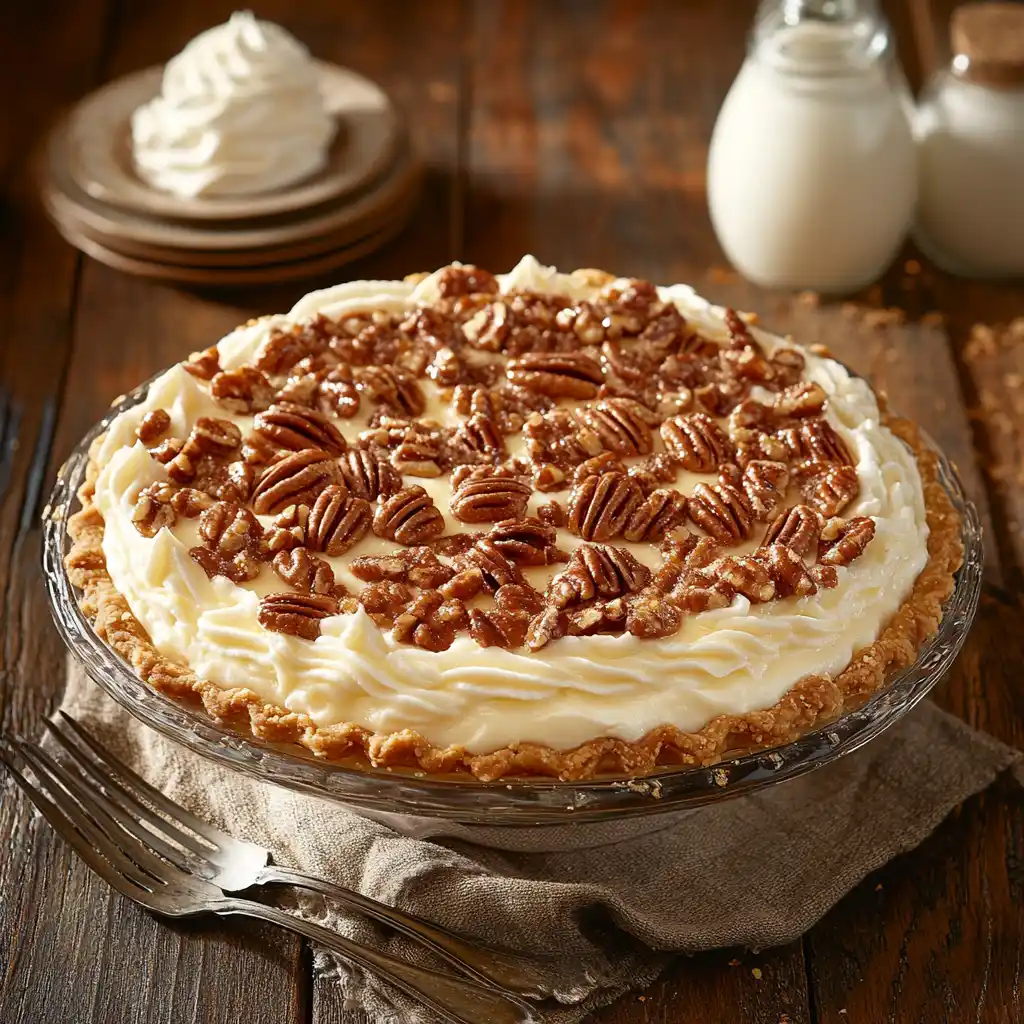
{"x": 730, "y": 661}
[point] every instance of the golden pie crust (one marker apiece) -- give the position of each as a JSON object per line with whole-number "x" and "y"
{"x": 813, "y": 700}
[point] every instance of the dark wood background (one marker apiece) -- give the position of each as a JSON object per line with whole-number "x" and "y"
{"x": 575, "y": 130}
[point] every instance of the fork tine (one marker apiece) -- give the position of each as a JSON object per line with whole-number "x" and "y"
{"x": 67, "y": 820}
{"x": 120, "y": 844}
{"x": 131, "y": 779}
{"x": 126, "y": 799}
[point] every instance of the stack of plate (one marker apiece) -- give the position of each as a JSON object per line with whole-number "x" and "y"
{"x": 362, "y": 197}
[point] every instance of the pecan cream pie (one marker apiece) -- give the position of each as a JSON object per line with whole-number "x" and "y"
{"x": 540, "y": 523}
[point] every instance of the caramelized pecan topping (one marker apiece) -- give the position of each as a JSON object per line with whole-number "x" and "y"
{"x": 154, "y": 425}
{"x": 798, "y": 528}
{"x": 296, "y": 614}
{"x": 488, "y": 496}
{"x": 697, "y": 441}
{"x": 391, "y": 387}
{"x": 765, "y": 485}
{"x": 497, "y": 570}
{"x": 557, "y": 374}
{"x": 409, "y": 517}
{"x": 788, "y": 572}
{"x": 722, "y": 511}
{"x": 662, "y": 511}
{"x": 154, "y": 508}
{"x": 299, "y": 569}
{"x": 337, "y": 521}
{"x": 288, "y": 529}
{"x": 231, "y": 538}
{"x": 244, "y": 390}
{"x": 295, "y": 428}
{"x": 601, "y": 507}
{"x": 745, "y": 574}
{"x": 430, "y": 621}
{"x": 831, "y": 490}
{"x": 597, "y": 570}
{"x": 297, "y": 479}
{"x": 203, "y": 365}
{"x": 465, "y": 279}
{"x": 842, "y": 542}
{"x": 367, "y": 475}
{"x": 526, "y": 541}
{"x": 621, "y": 425}
{"x": 418, "y": 566}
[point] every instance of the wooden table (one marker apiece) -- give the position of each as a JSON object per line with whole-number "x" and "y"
{"x": 576, "y": 131}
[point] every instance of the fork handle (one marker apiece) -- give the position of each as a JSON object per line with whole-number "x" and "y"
{"x": 484, "y": 965}
{"x": 457, "y": 1000}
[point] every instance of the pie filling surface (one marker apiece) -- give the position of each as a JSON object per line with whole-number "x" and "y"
{"x": 534, "y": 522}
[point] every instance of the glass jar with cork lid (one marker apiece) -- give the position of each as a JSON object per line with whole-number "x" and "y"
{"x": 970, "y": 133}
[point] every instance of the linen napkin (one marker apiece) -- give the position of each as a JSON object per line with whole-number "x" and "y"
{"x": 756, "y": 871}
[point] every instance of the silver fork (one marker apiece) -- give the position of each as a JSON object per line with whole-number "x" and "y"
{"x": 235, "y": 865}
{"x": 159, "y": 875}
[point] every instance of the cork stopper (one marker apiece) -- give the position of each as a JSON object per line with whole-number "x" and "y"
{"x": 988, "y": 43}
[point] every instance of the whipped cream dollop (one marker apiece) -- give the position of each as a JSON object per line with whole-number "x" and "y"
{"x": 240, "y": 111}
{"x": 728, "y": 661}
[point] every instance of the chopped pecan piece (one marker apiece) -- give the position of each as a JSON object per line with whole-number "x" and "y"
{"x": 244, "y": 390}
{"x": 203, "y": 365}
{"x": 154, "y": 508}
{"x": 338, "y": 393}
{"x": 662, "y": 511}
{"x": 454, "y": 544}
{"x": 597, "y": 570}
{"x": 391, "y": 387}
{"x": 464, "y": 585}
{"x": 846, "y": 542}
{"x": 621, "y": 425}
{"x": 746, "y": 362}
{"x": 497, "y": 628}
{"x": 697, "y": 441}
{"x": 722, "y": 511}
{"x": 299, "y": 569}
{"x": 367, "y": 475}
{"x": 526, "y": 541}
{"x": 548, "y": 477}
{"x": 655, "y": 471}
{"x": 825, "y": 576}
{"x": 417, "y": 566}
{"x": 296, "y": 479}
{"x": 651, "y": 614}
{"x": 384, "y": 599}
{"x": 154, "y": 425}
{"x": 285, "y": 348}
{"x": 787, "y": 571}
{"x": 227, "y": 528}
{"x": 420, "y": 449}
{"x": 288, "y": 529}
{"x": 787, "y": 365}
{"x": 606, "y": 462}
{"x": 296, "y": 614}
{"x": 481, "y": 435}
{"x": 557, "y": 374}
{"x": 211, "y": 436}
{"x": 700, "y": 592}
{"x": 553, "y": 514}
{"x": 600, "y": 617}
{"x": 798, "y": 528}
{"x": 487, "y": 495}
{"x": 465, "y": 279}
{"x": 545, "y": 626}
{"x": 745, "y": 574}
{"x": 601, "y": 506}
{"x": 409, "y": 517}
{"x": 167, "y": 450}
{"x": 831, "y": 489}
{"x": 190, "y": 502}
{"x": 430, "y": 621}
{"x": 765, "y": 486}
{"x": 497, "y": 570}
{"x": 296, "y": 428}
{"x": 337, "y": 521}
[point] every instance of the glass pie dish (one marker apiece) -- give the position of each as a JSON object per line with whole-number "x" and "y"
{"x": 510, "y": 811}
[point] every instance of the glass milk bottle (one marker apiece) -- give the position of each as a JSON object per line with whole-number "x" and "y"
{"x": 970, "y": 127}
{"x": 812, "y": 172}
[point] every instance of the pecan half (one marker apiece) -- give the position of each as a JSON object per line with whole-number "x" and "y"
{"x": 841, "y": 545}
{"x": 479, "y": 435}
{"x": 722, "y": 511}
{"x": 597, "y": 570}
{"x": 295, "y": 428}
{"x": 765, "y": 486}
{"x": 787, "y": 571}
{"x": 392, "y": 387}
{"x": 244, "y": 390}
{"x": 798, "y": 528}
{"x": 557, "y": 374}
{"x": 337, "y": 521}
{"x": 620, "y": 424}
{"x": 816, "y": 442}
{"x": 548, "y": 625}
{"x": 464, "y": 585}
{"x": 526, "y": 541}
{"x": 662, "y": 511}
{"x": 430, "y": 622}
{"x": 296, "y": 614}
{"x": 409, "y": 517}
{"x": 190, "y": 502}
{"x": 338, "y": 393}
{"x": 367, "y": 475}
{"x": 831, "y": 489}
{"x": 606, "y": 462}
{"x": 489, "y": 496}
{"x": 203, "y": 365}
{"x": 697, "y": 441}
{"x": 601, "y": 506}
{"x": 650, "y": 614}
{"x": 299, "y": 569}
{"x": 384, "y": 600}
{"x": 801, "y": 400}
{"x": 154, "y": 508}
{"x": 154, "y": 425}
{"x": 227, "y": 528}
{"x": 297, "y": 478}
{"x": 497, "y": 570}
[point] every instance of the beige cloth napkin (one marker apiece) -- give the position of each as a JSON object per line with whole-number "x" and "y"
{"x": 756, "y": 871}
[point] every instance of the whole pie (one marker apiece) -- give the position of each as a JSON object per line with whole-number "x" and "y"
{"x": 538, "y": 523}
